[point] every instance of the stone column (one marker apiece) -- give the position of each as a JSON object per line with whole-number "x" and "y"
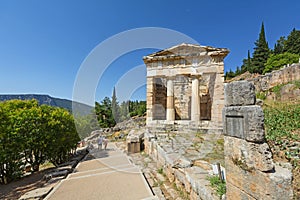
{"x": 195, "y": 104}
{"x": 150, "y": 99}
{"x": 170, "y": 100}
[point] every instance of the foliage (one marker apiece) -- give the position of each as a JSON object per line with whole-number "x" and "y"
{"x": 282, "y": 122}
{"x": 160, "y": 170}
{"x": 109, "y": 112}
{"x": 260, "y": 61}
{"x": 31, "y": 134}
{"x": 229, "y": 75}
{"x": 219, "y": 185}
{"x": 279, "y": 46}
{"x": 276, "y": 61}
{"x": 137, "y": 108}
{"x": 292, "y": 44}
{"x": 64, "y": 138}
{"x": 104, "y": 113}
{"x": 261, "y": 95}
{"x": 85, "y": 124}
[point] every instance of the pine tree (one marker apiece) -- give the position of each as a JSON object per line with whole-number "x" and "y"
{"x": 261, "y": 52}
{"x": 292, "y": 44}
{"x": 115, "y": 106}
{"x": 279, "y": 46}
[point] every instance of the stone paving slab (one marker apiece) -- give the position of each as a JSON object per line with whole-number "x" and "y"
{"x": 37, "y": 193}
{"x": 107, "y": 175}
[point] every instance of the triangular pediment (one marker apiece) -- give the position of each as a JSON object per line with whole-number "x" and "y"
{"x": 186, "y": 50}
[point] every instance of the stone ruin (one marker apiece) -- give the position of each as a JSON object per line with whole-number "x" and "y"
{"x": 250, "y": 170}
{"x": 185, "y": 87}
{"x": 185, "y": 91}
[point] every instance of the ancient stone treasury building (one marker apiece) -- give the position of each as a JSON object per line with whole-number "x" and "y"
{"x": 185, "y": 87}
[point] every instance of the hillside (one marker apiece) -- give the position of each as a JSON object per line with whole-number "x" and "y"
{"x": 48, "y": 100}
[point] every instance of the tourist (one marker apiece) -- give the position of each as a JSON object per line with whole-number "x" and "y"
{"x": 105, "y": 141}
{"x": 100, "y": 140}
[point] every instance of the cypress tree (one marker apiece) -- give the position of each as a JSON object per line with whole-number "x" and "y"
{"x": 115, "y": 107}
{"x": 248, "y": 64}
{"x": 261, "y": 52}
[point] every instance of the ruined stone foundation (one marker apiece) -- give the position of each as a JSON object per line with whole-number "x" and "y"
{"x": 250, "y": 170}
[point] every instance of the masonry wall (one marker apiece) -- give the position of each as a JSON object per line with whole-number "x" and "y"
{"x": 250, "y": 170}
{"x": 282, "y": 76}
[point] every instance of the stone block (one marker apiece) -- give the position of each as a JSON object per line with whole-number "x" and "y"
{"x": 247, "y": 155}
{"x": 244, "y": 122}
{"x": 239, "y": 93}
{"x": 241, "y": 184}
{"x": 133, "y": 147}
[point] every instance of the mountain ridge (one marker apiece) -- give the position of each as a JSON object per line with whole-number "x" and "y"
{"x": 46, "y": 99}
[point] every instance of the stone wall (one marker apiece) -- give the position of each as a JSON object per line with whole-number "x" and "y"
{"x": 282, "y": 76}
{"x": 186, "y": 172}
{"x": 250, "y": 170}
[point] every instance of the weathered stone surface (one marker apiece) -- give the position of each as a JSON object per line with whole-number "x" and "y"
{"x": 37, "y": 193}
{"x": 203, "y": 164}
{"x": 282, "y": 76}
{"x": 245, "y": 122}
{"x": 240, "y": 93}
{"x": 182, "y": 163}
{"x": 247, "y": 155}
{"x": 135, "y": 136}
{"x": 243, "y": 184}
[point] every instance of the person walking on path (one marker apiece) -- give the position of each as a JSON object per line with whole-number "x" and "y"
{"x": 100, "y": 141}
{"x": 105, "y": 141}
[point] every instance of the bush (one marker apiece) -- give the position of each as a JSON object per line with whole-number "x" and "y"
{"x": 276, "y": 61}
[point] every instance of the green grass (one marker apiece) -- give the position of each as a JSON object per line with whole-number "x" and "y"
{"x": 217, "y": 184}
{"x": 160, "y": 170}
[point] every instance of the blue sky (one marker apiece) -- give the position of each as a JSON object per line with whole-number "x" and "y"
{"x": 44, "y": 43}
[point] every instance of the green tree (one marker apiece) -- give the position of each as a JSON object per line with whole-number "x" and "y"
{"x": 229, "y": 75}
{"x": 32, "y": 134}
{"x": 137, "y": 108}
{"x": 104, "y": 113}
{"x": 261, "y": 53}
{"x": 292, "y": 44}
{"x": 10, "y": 149}
{"x": 124, "y": 111}
{"x": 85, "y": 124}
{"x": 62, "y": 136}
{"x": 277, "y": 61}
{"x": 279, "y": 46}
{"x": 30, "y": 124}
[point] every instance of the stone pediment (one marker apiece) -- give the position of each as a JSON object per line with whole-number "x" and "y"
{"x": 186, "y": 50}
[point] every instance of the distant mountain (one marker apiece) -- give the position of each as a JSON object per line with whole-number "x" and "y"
{"x": 83, "y": 109}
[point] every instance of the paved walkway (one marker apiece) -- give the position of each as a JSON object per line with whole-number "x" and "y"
{"x": 104, "y": 174}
